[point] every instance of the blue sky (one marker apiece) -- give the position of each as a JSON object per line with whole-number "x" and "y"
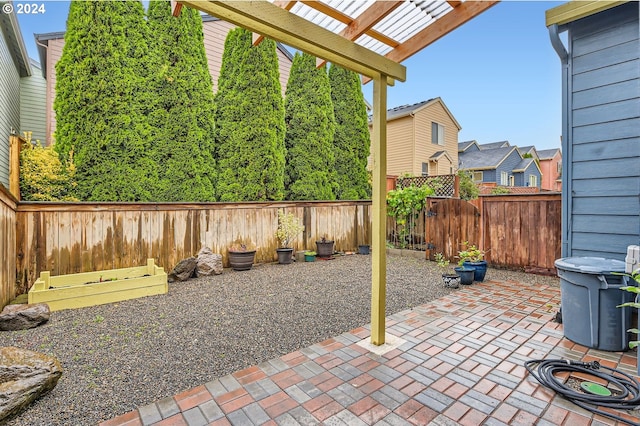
{"x": 497, "y": 74}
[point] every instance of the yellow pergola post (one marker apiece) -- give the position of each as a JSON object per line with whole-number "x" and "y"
{"x": 379, "y": 210}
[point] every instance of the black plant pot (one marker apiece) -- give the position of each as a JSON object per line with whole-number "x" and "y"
{"x": 363, "y": 249}
{"x": 285, "y": 255}
{"x": 241, "y": 260}
{"x": 481, "y": 269}
{"x": 324, "y": 248}
{"x": 466, "y": 274}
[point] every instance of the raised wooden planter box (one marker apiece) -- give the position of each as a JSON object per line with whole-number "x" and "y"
{"x": 99, "y": 287}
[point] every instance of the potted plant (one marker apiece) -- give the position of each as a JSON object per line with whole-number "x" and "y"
{"x": 472, "y": 256}
{"x": 288, "y": 229}
{"x": 310, "y": 256}
{"x": 450, "y": 280}
{"x": 324, "y": 247}
{"x": 466, "y": 273}
{"x": 241, "y": 257}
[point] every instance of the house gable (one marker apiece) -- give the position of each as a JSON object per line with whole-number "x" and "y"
{"x": 524, "y": 170}
{"x": 494, "y": 145}
{"x": 435, "y": 113}
{"x": 468, "y": 146}
{"x": 410, "y": 147}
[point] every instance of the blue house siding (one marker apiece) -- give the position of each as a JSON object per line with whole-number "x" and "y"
{"x": 523, "y": 178}
{"x": 509, "y": 163}
{"x": 601, "y": 193}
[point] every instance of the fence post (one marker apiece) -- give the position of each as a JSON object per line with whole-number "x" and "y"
{"x": 15, "y": 144}
{"x": 456, "y": 186}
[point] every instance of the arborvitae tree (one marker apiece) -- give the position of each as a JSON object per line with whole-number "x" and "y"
{"x": 249, "y": 121}
{"x": 351, "y": 141}
{"x": 102, "y": 100}
{"x": 182, "y": 117}
{"x": 310, "y": 124}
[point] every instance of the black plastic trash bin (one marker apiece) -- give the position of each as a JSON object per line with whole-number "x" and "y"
{"x": 590, "y": 294}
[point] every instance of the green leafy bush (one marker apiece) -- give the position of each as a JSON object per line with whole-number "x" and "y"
{"x": 406, "y": 204}
{"x": 500, "y": 190}
{"x": 468, "y": 189}
{"x": 635, "y": 275}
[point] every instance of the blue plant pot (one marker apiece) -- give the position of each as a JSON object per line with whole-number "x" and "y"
{"x": 466, "y": 274}
{"x": 480, "y": 267}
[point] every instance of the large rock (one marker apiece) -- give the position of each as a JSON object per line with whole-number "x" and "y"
{"x": 183, "y": 270}
{"x": 24, "y": 377}
{"x": 21, "y": 317}
{"x": 209, "y": 263}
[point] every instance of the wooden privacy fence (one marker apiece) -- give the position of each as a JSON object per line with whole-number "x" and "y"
{"x": 69, "y": 238}
{"x": 518, "y": 231}
{"x": 522, "y": 231}
{"x": 8, "y": 218}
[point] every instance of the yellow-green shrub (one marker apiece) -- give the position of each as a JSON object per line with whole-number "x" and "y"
{"x": 42, "y": 175}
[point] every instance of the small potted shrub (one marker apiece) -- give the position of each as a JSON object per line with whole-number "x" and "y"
{"x": 288, "y": 229}
{"x": 471, "y": 256}
{"x": 324, "y": 247}
{"x": 241, "y": 257}
{"x": 450, "y": 280}
{"x": 310, "y": 256}
{"x": 464, "y": 270}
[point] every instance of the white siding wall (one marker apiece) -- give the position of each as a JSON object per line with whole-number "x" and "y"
{"x": 33, "y": 108}
{"x": 9, "y": 106}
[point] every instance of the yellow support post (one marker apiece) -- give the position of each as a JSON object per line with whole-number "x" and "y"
{"x": 379, "y": 211}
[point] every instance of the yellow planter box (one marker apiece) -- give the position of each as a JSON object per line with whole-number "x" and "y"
{"x": 97, "y": 288}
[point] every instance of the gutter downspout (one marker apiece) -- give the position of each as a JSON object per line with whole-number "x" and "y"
{"x": 567, "y": 141}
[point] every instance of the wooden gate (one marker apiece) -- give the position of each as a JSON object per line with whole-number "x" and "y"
{"x": 449, "y": 223}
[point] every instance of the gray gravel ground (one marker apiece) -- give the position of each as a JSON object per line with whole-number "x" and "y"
{"x": 121, "y": 356}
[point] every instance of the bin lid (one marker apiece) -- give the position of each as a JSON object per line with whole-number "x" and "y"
{"x": 590, "y": 265}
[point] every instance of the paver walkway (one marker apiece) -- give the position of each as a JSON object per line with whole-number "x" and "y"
{"x": 459, "y": 361}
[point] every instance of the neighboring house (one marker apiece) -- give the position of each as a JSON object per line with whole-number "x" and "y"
{"x": 14, "y": 65}
{"x": 215, "y": 32}
{"x": 498, "y": 164}
{"x": 33, "y": 109}
{"x": 422, "y": 140}
{"x": 601, "y": 125}
{"x": 551, "y": 167}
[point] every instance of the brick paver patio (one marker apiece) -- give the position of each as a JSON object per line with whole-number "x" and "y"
{"x": 459, "y": 361}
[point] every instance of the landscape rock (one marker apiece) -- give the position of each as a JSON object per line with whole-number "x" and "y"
{"x": 23, "y": 316}
{"x": 24, "y": 377}
{"x": 209, "y": 263}
{"x": 183, "y": 270}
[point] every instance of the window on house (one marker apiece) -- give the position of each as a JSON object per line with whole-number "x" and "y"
{"x": 437, "y": 134}
{"x": 533, "y": 180}
{"x": 504, "y": 178}
{"x": 425, "y": 169}
{"x": 477, "y": 177}
{"x": 559, "y": 167}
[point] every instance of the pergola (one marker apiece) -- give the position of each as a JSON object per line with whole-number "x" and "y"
{"x": 369, "y": 37}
